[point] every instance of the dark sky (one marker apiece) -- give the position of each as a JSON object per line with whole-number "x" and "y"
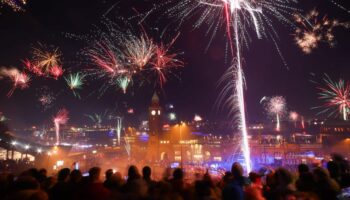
{"x": 46, "y": 21}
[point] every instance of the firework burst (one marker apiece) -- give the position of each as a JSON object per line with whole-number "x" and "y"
{"x": 45, "y": 97}
{"x": 60, "y": 119}
{"x": 75, "y": 82}
{"x": 336, "y": 97}
{"x": 314, "y": 29}
{"x": 19, "y": 79}
{"x": 2, "y": 117}
{"x": 46, "y": 61}
{"x": 123, "y": 83}
{"x": 123, "y": 57}
{"x": 276, "y": 106}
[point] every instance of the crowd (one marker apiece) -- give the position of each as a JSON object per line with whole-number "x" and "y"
{"x": 314, "y": 183}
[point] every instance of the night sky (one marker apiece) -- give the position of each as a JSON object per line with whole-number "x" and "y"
{"x": 197, "y": 89}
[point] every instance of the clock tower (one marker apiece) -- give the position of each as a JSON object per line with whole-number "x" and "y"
{"x": 155, "y": 116}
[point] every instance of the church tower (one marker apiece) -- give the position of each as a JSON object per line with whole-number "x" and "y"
{"x": 155, "y": 113}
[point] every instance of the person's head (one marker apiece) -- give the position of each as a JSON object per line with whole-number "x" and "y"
{"x": 303, "y": 168}
{"x": 146, "y": 172}
{"x": 178, "y": 174}
{"x": 255, "y": 178}
{"x": 283, "y": 176}
{"x": 109, "y": 174}
{"x": 133, "y": 173}
{"x": 237, "y": 170}
{"x": 63, "y": 174}
{"x": 75, "y": 176}
{"x": 320, "y": 174}
{"x": 334, "y": 169}
{"x": 94, "y": 174}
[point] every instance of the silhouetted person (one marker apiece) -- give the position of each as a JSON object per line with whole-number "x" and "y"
{"x": 107, "y": 183}
{"x": 61, "y": 189}
{"x": 94, "y": 188}
{"x": 255, "y": 190}
{"x": 135, "y": 186}
{"x": 234, "y": 189}
{"x": 305, "y": 182}
{"x": 326, "y": 188}
{"x": 178, "y": 184}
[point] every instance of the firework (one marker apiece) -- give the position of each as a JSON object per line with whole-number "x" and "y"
{"x": 237, "y": 16}
{"x": 122, "y": 57}
{"x": 16, "y": 5}
{"x": 277, "y": 106}
{"x": 313, "y": 30}
{"x": 123, "y": 82}
{"x": 60, "y": 118}
{"x": 118, "y": 128}
{"x": 336, "y": 97}
{"x": 19, "y": 79}
{"x": 97, "y": 119}
{"x": 164, "y": 61}
{"x": 139, "y": 51}
{"x": 46, "y": 61}
{"x": 46, "y": 98}
{"x": 2, "y": 117}
{"x": 75, "y": 82}
{"x": 294, "y": 117}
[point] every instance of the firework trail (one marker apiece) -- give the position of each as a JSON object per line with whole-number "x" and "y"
{"x": 237, "y": 16}
{"x": 45, "y": 61}
{"x": 118, "y": 128}
{"x": 313, "y": 29}
{"x": 19, "y": 79}
{"x": 276, "y": 106}
{"x": 75, "y": 82}
{"x": 336, "y": 97}
{"x": 60, "y": 118}
{"x": 15, "y": 5}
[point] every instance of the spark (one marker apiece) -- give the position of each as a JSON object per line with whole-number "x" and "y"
{"x": 19, "y": 79}
{"x": 313, "y": 30}
{"x": 336, "y": 97}
{"x": 276, "y": 106}
{"x": 60, "y": 119}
